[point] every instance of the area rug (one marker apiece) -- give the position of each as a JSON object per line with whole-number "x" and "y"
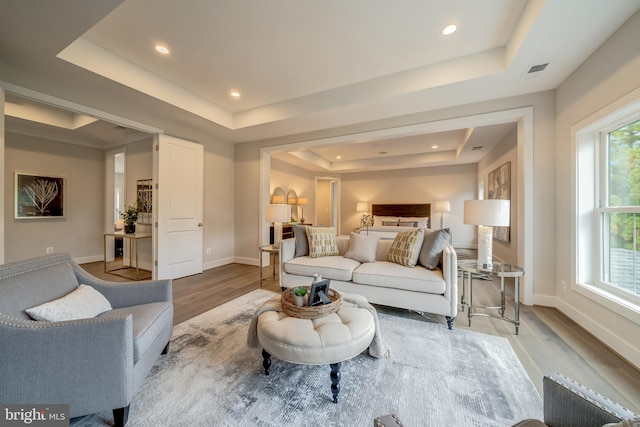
{"x": 435, "y": 377}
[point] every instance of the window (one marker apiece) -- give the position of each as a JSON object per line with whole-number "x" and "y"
{"x": 620, "y": 208}
{"x": 608, "y": 207}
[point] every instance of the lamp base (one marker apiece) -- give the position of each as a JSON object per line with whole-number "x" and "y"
{"x": 485, "y": 242}
{"x": 277, "y": 233}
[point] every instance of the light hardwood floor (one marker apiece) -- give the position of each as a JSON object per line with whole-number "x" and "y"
{"x": 548, "y": 340}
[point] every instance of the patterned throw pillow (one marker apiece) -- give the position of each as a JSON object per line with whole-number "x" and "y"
{"x": 405, "y": 248}
{"x": 322, "y": 241}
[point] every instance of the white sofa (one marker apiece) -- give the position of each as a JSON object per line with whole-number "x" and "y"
{"x": 381, "y": 282}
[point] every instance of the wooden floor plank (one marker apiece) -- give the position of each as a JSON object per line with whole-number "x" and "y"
{"x": 548, "y": 341}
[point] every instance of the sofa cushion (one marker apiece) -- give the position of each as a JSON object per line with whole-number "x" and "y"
{"x": 434, "y": 243}
{"x": 406, "y": 246}
{"x": 82, "y": 303}
{"x": 362, "y": 248}
{"x": 302, "y": 244}
{"x": 330, "y": 267}
{"x": 391, "y": 275}
{"x": 148, "y": 321}
{"x": 322, "y": 241}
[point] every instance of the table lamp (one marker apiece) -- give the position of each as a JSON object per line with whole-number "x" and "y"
{"x": 442, "y": 206}
{"x": 363, "y": 209}
{"x": 277, "y": 214}
{"x": 302, "y": 201}
{"x": 486, "y": 214}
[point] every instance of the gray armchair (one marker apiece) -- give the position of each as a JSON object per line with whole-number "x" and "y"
{"x": 93, "y": 365}
{"x": 570, "y": 404}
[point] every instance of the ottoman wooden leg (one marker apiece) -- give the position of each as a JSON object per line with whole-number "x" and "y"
{"x": 266, "y": 361}
{"x": 335, "y": 380}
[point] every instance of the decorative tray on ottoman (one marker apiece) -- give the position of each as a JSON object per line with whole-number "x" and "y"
{"x": 305, "y": 312}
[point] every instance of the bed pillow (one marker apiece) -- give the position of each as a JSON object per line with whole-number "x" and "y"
{"x": 405, "y": 248}
{"x": 362, "y": 248}
{"x": 379, "y": 220}
{"x": 408, "y": 223}
{"x": 302, "y": 243}
{"x": 322, "y": 241}
{"x": 434, "y": 243}
{"x": 82, "y": 303}
{"x": 390, "y": 223}
{"x": 423, "y": 221}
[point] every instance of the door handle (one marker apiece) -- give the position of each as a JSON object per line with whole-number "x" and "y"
{"x": 200, "y": 224}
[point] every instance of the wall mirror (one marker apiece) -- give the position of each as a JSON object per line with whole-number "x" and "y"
{"x": 278, "y": 196}
{"x": 292, "y": 198}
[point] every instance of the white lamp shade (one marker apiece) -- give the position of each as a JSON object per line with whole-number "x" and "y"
{"x": 442, "y": 206}
{"x": 491, "y": 212}
{"x": 277, "y": 213}
{"x": 362, "y": 207}
{"x": 302, "y": 201}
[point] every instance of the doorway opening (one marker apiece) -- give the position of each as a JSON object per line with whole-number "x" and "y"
{"x": 328, "y": 202}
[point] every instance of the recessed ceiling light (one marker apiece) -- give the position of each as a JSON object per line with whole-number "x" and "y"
{"x": 449, "y": 29}
{"x": 162, "y": 49}
{"x": 234, "y": 94}
{"x": 338, "y": 157}
{"x": 434, "y": 146}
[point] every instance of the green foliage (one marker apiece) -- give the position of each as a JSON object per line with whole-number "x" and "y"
{"x": 130, "y": 214}
{"x": 300, "y": 291}
{"x": 624, "y": 183}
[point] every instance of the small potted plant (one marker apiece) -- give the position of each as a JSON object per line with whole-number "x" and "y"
{"x": 130, "y": 216}
{"x": 300, "y": 294}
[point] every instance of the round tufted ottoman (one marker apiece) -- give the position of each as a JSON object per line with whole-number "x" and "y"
{"x": 330, "y": 340}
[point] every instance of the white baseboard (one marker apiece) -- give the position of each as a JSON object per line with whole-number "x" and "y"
{"x": 217, "y": 263}
{"x": 247, "y": 261}
{"x": 87, "y": 259}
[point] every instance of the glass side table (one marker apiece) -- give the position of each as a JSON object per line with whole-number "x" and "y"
{"x": 501, "y": 270}
{"x": 272, "y": 250}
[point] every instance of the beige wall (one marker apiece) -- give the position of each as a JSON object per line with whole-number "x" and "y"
{"x": 417, "y": 185}
{"x": 290, "y": 177}
{"x": 219, "y": 198}
{"x": 610, "y": 73}
{"x": 80, "y": 232}
{"x": 505, "y": 151}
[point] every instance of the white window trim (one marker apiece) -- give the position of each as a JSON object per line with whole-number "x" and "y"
{"x": 587, "y": 140}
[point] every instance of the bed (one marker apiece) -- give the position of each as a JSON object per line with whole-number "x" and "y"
{"x": 389, "y": 219}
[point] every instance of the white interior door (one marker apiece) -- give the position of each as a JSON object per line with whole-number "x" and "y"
{"x": 179, "y": 208}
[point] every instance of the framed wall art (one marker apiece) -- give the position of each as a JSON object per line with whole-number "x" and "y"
{"x": 39, "y": 196}
{"x": 499, "y": 187}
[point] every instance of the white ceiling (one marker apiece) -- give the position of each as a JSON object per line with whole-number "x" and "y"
{"x": 304, "y": 69}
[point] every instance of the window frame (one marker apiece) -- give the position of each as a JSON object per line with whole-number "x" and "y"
{"x": 603, "y": 208}
{"x": 590, "y": 183}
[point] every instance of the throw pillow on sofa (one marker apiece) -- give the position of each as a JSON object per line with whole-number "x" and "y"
{"x": 302, "y": 244}
{"x": 82, "y": 303}
{"x": 362, "y": 248}
{"x": 406, "y": 246}
{"x": 434, "y": 243}
{"x": 322, "y": 241}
